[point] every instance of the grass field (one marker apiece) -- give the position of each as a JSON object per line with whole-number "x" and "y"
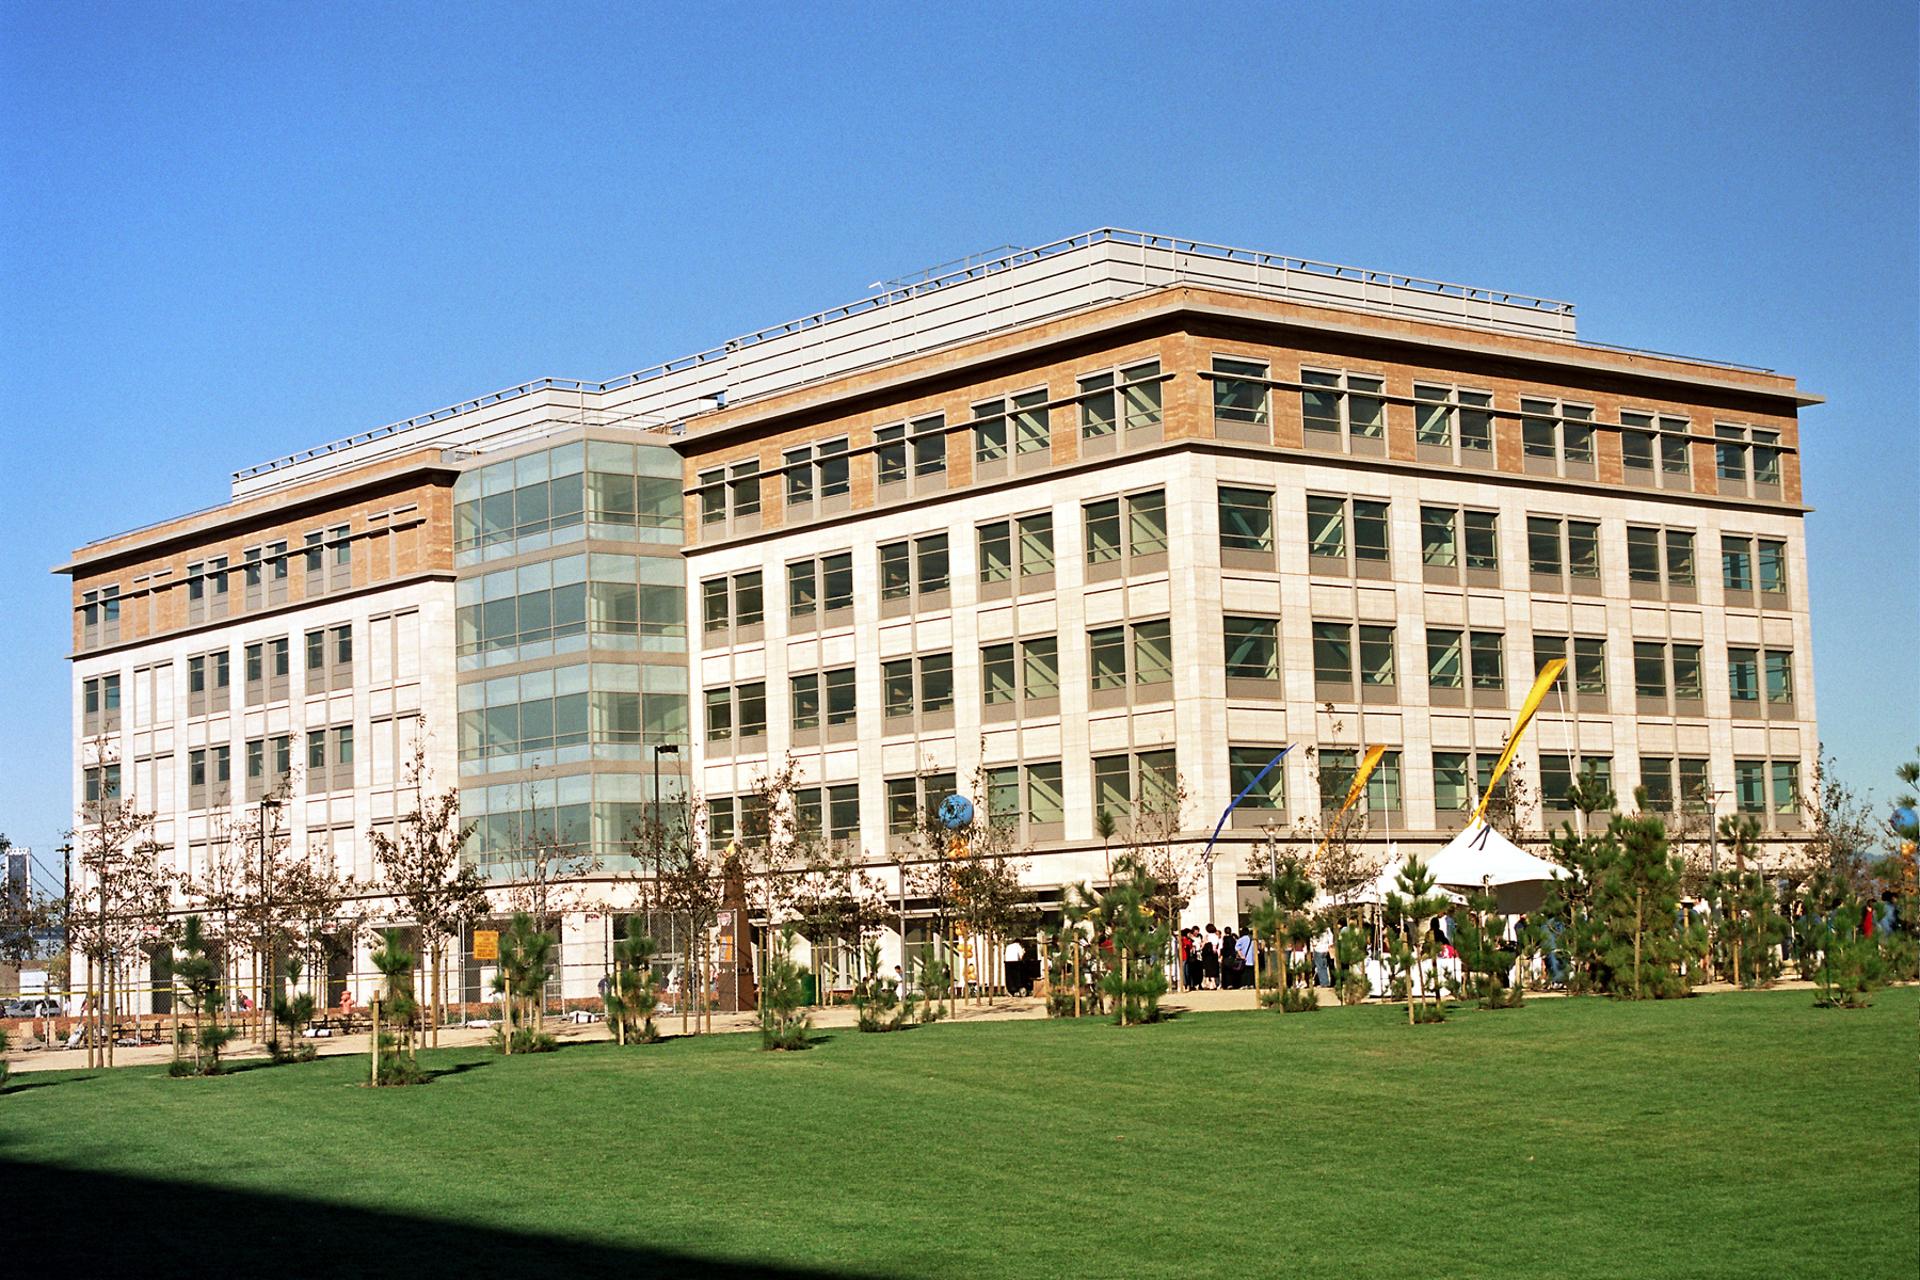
{"x": 1735, "y": 1135}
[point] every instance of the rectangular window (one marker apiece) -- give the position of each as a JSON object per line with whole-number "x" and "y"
{"x": 1246, "y": 519}
{"x": 1376, "y": 656}
{"x": 1743, "y": 675}
{"x": 996, "y": 551}
{"x": 1481, "y": 537}
{"x": 1736, "y": 563}
{"x": 1040, "y": 667}
{"x": 1445, "y": 664}
{"x": 1112, "y": 786}
{"x": 1487, "y": 661}
{"x": 1097, "y": 411}
{"x": 1679, "y": 558}
{"x": 1543, "y": 546}
{"x": 1252, "y": 648}
{"x": 1140, "y": 395}
{"x": 1750, "y": 786}
{"x": 1103, "y": 531}
{"x": 803, "y": 588}
{"x": 805, "y": 703}
{"x": 1779, "y": 674}
{"x": 1327, "y": 528}
{"x": 997, "y": 674}
{"x": 840, "y": 695}
{"x": 890, "y": 450}
{"x": 1107, "y": 654}
{"x": 719, "y": 715}
{"x": 1239, "y": 391}
{"x": 1649, "y": 669}
{"x": 929, "y": 447}
{"x": 1786, "y": 786}
{"x": 1451, "y": 793}
{"x": 930, "y": 563}
{"x": 1244, "y": 765}
{"x": 1369, "y": 530}
{"x": 1152, "y": 653}
{"x": 1147, "y": 523}
{"x": 936, "y": 682}
{"x": 1643, "y": 554}
{"x": 896, "y": 688}
{"x": 1333, "y": 653}
{"x": 1036, "y": 545}
{"x": 836, "y": 581}
{"x": 752, "y": 710}
{"x": 1772, "y": 564}
{"x": 1687, "y": 683}
{"x": 1046, "y": 803}
{"x": 896, "y": 571}
{"x": 1439, "y": 542}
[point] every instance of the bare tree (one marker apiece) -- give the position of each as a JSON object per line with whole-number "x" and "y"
{"x": 120, "y": 902}
{"x": 688, "y": 885}
{"x": 422, "y": 869}
{"x": 779, "y": 846}
{"x": 1843, "y": 835}
{"x": 25, "y": 914}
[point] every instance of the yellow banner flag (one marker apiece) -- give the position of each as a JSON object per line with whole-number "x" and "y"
{"x": 1535, "y": 696}
{"x": 1360, "y": 775}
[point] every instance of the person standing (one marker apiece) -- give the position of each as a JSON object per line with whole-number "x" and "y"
{"x": 1229, "y": 961}
{"x": 1210, "y": 958}
{"x": 1244, "y": 945}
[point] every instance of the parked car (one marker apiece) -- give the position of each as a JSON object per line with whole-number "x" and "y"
{"x": 29, "y": 1007}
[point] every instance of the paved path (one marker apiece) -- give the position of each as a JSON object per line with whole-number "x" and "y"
{"x": 1003, "y": 1009}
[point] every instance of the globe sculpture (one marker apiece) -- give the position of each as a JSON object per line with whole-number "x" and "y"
{"x": 956, "y": 813}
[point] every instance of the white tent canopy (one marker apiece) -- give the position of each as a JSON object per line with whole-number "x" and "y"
{"x": 1480, "y": 855}
{"x": 1477, "y": 856}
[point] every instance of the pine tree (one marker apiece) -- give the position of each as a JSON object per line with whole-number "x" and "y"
{"x": 1349, "y": 962}
{"x": 198, "y": 974}
{"x": 1283, "y": 916}
{"x": 293, "y": 1012}
{"x": 877, "y": 999}
{"x": 1137, "y": 978}
{"x": 1413, "y": 908}
{"x": 1476, "y": 935}
{"x": 1637, "y": 904}
{"x": 526, "y": 964}
{"x": 784, "y": 1021}
{"x": 634, "y": 993}
{"x": 396, "y": 1060}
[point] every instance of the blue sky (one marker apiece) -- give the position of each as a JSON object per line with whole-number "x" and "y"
{"x": 229, "y": 232}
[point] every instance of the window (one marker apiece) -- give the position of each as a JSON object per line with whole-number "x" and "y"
{"x": 1127, "y": 786}
{"x": 1586, "y": 664}
{"x": 737, "y": 714}
{"x": 1145, "y": 529}
{"x": 1743, "y": 675}
{"x": 100, "y": 704}
{"x": 1446, "y": 416}
{"x": 925, "y": 682}
{"x": 1246, "y": 520}
{"x": 1018, "y": 424}
{"x": 1328, "y": 543}
{"x": 1339, "y": 663}
{"x": 1030, "y": 539}
{"x": 1252, "y": 648}
{"x": 1743, "y": 453}
{"x": 1243, "y": 766}
{"x": 1771, "y": 562}
{"x": 1558, "y": 772}
{"x": 1563, "y": 547}
{"x": 816, "y": 473}
{"x": 1452, "y": 793}
{"x": 929, "y": 441}
{"x": 1147, "y": 646}
{"x": 1736, "y": 563}
{"x": 1779, "y": 677}
{"x": 1343, "y": 406}
{"x": 917, "y": 566}
{"x": 1556, "y": 438}
{"x": 1460, "y": 660}
{"x": 804, "y": 703}
{"x": 823, "y": 586}
{"x": 1659, "y": 667}
{"x": 1111, "y": 400}
{"x": 1653, "y": 450}
{"x": 1452, "y": 539}
{"x": 1240, "y": 396}
{"x": 732, "y": 603}
{"x": 1030, "y": 669}
{"x": 912, "y": 801}
{"x": 100, "y": 614}
{"x": 1660, "y": 561}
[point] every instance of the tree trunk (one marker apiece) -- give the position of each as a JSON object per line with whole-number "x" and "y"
{"x": 1638, "y": 900}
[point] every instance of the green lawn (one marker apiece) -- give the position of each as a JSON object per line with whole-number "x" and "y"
{"x": 1737, "y": 1135}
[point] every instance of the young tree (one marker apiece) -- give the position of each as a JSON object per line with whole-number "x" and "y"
{"x": 26, "y": 915}
{"x": 688, "y": 884}
{"x": 1136, "y": 978}
{"x": 633, "y": 995}
{"x": 784, "y": 1022}
{"x": 422, "y": 869}
{"x": 1413, "y": 909}
{"x": 202, "y": 991}
{"x": 293, "y": 1012}
{"x": 394, "y": 1048}
{"x": 879, "y": 1003}
{"x": 838, "y": 906}
{"x": 526, "y": 963}
{"x": 1636, "y": 904}
{"x": 1283, "y": 916}
{"x": 1842, "y": 834}
{"x": 119, "y": 903}
{"x": 1477, "y": 936}
{"x": 1349, "y": 963}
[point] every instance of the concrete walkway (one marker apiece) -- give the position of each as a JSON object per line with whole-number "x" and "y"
{"x": 1002, "y": 1009}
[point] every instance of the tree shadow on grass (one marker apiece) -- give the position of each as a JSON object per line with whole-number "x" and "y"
{"x": 151, "y": 1233}
{"x": 21, "y": 1086}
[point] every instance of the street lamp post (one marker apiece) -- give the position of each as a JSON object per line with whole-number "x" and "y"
{"x": 655, "y": 830}
{"x": 268, "y": 804}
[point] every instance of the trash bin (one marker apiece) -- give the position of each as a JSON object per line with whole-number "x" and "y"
{"x": 809, "y": 992}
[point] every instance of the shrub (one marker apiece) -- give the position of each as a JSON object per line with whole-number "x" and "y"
{"x": 934, "y": 976}
{"x": 877, "y": 1000}
{"x": 634, "y": 994}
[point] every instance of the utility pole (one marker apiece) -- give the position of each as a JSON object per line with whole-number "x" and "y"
{"x": 269, "y": 951}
